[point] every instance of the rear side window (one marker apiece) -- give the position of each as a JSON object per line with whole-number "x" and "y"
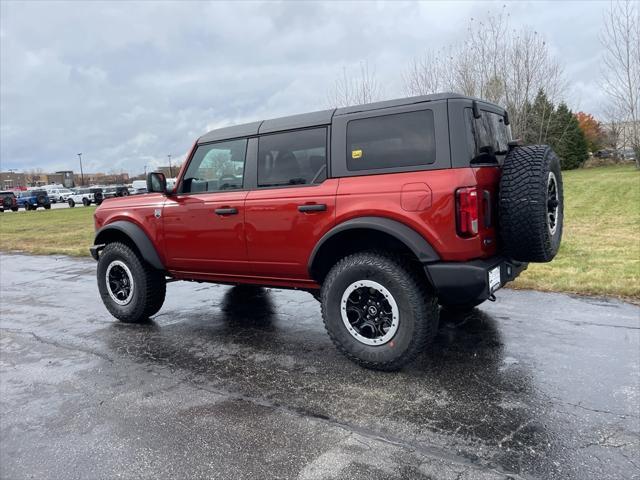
{"x": 216, "y": 167}
{"x": 398, "y": 140}
{"x": 490, "y": 134}
{"x": 292, "y": 158}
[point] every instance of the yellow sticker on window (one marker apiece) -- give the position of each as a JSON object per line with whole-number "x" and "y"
{"x": 356, "y": 153}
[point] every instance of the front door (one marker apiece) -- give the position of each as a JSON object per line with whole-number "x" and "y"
{"x": 293, "y": 204}
{"x": 204, "y": 221}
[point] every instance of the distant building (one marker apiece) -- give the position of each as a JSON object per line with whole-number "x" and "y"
{"x": 12, "y": 180}
{"x": 620, "y": 134}
{"x": 102, "y": 178}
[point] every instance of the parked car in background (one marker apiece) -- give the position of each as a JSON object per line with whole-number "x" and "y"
{"x": 58, "y": 194}
{"x": 139, "y": 186}
{"x": 81, "y": 195}
{"x": 109, "y": 192}
{"x": 122, "y": 191}
{"x": 32, "y": 199}
{"x": 98, "y": 195}
{"x": 8, "y": 201}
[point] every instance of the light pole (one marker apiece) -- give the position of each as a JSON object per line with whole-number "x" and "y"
{"x": 170, "y": 170}
{"x": 81, "y": 172}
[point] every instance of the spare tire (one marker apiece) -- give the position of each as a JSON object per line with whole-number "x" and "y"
{"x": 531, "y": 204}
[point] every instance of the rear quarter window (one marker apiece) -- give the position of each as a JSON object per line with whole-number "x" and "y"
{"x": 388, "y": 141}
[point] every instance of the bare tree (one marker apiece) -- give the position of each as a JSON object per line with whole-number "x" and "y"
{"x": 621, "y": 76}
{"x": 363, "y": 87}
{"x": 431, "y": 73}
{"x": 492, "y": 62}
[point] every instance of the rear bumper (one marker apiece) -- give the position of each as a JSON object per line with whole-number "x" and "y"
{"x": 464, "y": 283}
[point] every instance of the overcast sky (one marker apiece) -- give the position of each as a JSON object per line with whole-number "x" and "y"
{"x": 128, "y": 83}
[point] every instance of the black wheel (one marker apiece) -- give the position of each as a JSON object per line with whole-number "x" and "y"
{"x": 130, "y": 288}
{"x": 14, "y": 209}
{"x": 47, "y": 207}
{"x": 86, "y": 202}
{"x": 27, "y": 207}
{"x": 71, "y": 203}
{"x": 377, "y": 310}
{"x": 531, "y": 204}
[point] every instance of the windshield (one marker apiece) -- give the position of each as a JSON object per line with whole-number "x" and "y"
{"x": 36, "y": 193}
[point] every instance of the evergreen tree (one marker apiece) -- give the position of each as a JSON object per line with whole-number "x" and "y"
{"x": 570, "y": 142}
{"x": 557, "y": 127}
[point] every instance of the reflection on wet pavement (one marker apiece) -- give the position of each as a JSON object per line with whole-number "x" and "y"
{"x": 243, "y": 382}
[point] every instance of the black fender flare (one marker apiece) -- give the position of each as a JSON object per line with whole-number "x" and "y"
{"x": 423, "y": 251}
{"x": 136, "y": 235}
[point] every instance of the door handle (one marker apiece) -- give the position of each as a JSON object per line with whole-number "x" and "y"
{"x": 226, "y": 211}
{"x": 316, "y": 207}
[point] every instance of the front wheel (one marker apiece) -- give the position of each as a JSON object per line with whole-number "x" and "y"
{"x": 71, "y": 203}
{"x": 130, "y": 288}
{"x": 378, "y": 311}
{"x": 86, "y": 202}
{"x": 47, "y": 207}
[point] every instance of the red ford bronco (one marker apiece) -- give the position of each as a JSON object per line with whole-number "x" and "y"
{"x": 383, "y": 212}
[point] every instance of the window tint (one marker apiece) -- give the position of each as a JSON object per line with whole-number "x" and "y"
{"x": 398, "y": 140}
{"x": 216, "y": 167}
{"x": 292, "y": 158}
{"x": 489, "y": 132}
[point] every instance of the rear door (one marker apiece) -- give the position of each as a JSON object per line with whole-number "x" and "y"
{"x": 293, "y": 204}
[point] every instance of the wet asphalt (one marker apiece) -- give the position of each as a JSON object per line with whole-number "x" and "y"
{"x": 230, "y": 383}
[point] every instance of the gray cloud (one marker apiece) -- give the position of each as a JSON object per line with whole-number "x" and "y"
{"x": 129, "y": 83}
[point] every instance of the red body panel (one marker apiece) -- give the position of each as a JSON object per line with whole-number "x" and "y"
{"x": 280, "y": 238}
{"x": 269, "y": 240}
{"x": 197, "y": 239}
{"x": 434, "y": 218}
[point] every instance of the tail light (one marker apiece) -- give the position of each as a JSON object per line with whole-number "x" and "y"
{"x": 467, "y": 202}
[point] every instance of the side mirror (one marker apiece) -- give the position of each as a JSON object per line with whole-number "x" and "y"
{"x": 156, "y": 182}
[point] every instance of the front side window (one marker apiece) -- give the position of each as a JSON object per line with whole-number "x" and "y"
{"x": 216, "y": 167}
{"x": 391, "y": 141}
{"x": 292, "y": 158}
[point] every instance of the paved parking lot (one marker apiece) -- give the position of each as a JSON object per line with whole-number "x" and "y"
{"x": 222, "y": 384}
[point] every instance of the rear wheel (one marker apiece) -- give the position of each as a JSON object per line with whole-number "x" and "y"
{"x": 71, "y": 203}
{"x": 86, "y": 202}
{"x": 130, "y": 288}
{"x": 47, "y": 207}
{"x": 27, "y": 207}
{"x": 377, "y": 310}
{"x": 14, "y": 209}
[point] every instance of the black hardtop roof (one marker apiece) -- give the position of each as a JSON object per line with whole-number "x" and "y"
{"x": 312, "y": 119}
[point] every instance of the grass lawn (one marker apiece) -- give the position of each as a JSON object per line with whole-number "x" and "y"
{"x": 67, "y": 231}
{"x": 600, "y": 252}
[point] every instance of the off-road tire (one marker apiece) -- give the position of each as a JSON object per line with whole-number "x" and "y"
{"x": 418, "y": 309}
{"x": 71, "y": 203}
{"x": 47, "y": 207}
{"x": 149, "y": 284}
{"x": 523, "y": 204}
{"x": 14, "y": 209}
{"x": 86, "y": 202}
{"x": 27, "y": 207}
